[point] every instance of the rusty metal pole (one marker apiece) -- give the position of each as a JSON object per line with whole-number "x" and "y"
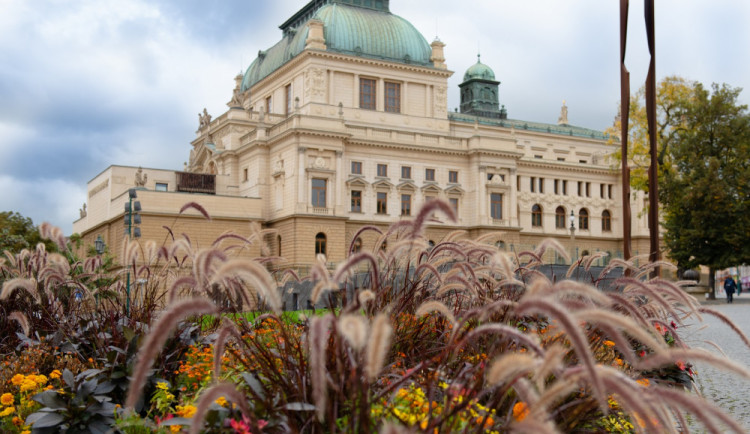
{"x": 624, "y": 127}
{"x": 653, "y": 172}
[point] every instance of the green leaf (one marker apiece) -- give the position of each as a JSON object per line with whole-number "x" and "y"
{"x": 44, "y": 420}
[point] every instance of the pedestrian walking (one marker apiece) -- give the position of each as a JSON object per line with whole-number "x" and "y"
{"x": 729, "y": 287}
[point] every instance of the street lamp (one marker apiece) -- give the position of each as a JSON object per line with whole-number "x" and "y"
{"x": 572, "y": 236}
{"x": 132, "y": 208}
{"x": 99, "y": 245}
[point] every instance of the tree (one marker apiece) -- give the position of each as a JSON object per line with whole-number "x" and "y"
{"x": 673, "y": 95}
{"x": 704, "y": 190}
{"x": 18, "y": 232}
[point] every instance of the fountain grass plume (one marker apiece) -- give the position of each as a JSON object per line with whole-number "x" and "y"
{"x": 577, "y": 339}
{"x": 53, "y": 233}
{"x": 158, "y": 336}
{"x": 429, "y": 267}
{"x": 227, "y": 330}
{"x": 353, "y": 327}
{"x": 359, "y": 232}
{"x": 636, "y": 286}
{"x": 618, "y": 263}
{"x": 529, "y": 341}
{"x": 230, "y": 236}
{"x": 673, "y": 355}
{"x": 589, "y": 260}
{"x": 427, "y": 211}
{"x": 318, "y": 341}
{"x": 365, "y": 296}
{"x": 196, "y": 206}
{"x": 506, "y": 267}
{"x": 22, "y": 321}
{"x": 675, "y": 289}
{"x": 705, "y": 411}
{"x": 728, "y": 322}
{"x": 348, "y": 265}
{"x": 172, "y": 292}
{"x": 621, "y": 322}
{"x": 257, "y": 274}
{"x": 378, "y": 346}
{"x": 211, "y": 394}
{"x": 436, "y": 306}
{"x": 28, "y": 285}
{"x": 628, "y": 308}
{"x": 507, "y": 368}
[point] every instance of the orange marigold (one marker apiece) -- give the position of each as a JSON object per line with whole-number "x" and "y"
{"x": 7, "y": 399}
{"x": 520, "y": 411}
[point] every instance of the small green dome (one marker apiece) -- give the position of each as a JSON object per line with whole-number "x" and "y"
{"x": 479, "y": 71}
{"x": 352, "y": 30}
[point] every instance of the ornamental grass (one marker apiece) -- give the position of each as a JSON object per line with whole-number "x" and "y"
{"x": 455, "y": 337}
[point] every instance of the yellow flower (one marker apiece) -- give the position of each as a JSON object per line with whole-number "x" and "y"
{"x": 8, "y": 411}
{"x": 6, "y": 399}
{"x": 609, "y": 343}
{"x": 17, "y": 379}
{"x": 643, "y": 382}
{"x": 26, "y": 432}
{"x": 175, "y": 428}
{"x": 55, "y": 374}
{"x": 186, "y": 411}
{"x": 162, "y": 385}
{"x": 221, "y": 401}
{"x": 28, "y": 384}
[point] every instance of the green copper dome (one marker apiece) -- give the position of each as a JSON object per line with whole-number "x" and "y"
{"x": 372, "y": 32}
{"x": 479, "y": 71}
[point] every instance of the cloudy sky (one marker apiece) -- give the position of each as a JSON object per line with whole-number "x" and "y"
{"x": 89, "y": 83}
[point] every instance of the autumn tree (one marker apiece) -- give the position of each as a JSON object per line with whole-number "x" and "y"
{"x": 704, "y": 188}
{"x": 673, "y": 94}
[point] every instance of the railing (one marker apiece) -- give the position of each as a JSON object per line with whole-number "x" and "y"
{"x": 319, "y": 210}
{"x": 196, "y": 182}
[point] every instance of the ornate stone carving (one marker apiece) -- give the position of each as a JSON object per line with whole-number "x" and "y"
{"x": 441, "y": 99}
{"x": 82, "y": 211}
{"x": 238, "y": 97}
{"x": 315, "y": 83}
{"x": 140, "y": 178}
{"x": 320, "y": 163}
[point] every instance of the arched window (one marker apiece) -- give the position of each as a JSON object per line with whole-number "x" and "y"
{"x": 500, "y": 245}
{"x": 606, "y": 221}
{"x": 357, "y": 247}
{"x": 536, "y": 216}
{"x": 560, "y": 218}
{"x": 320, "y": 244}
{"x": 583, "y": 219}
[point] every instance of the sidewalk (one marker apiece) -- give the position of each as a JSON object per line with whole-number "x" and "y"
{"x": 741, "y": 299}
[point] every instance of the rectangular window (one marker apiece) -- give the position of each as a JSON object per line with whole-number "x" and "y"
{"x": 244, "y": 174}
{"x": 518, "y": 182}
{"x": 560, "y": 158}
{"x": 496, "y": 206}
{"x": 609, "y": 193}
{"x": 580, "y": 188}
{"x": 565, "y": 187}
{"x": 405, "y": 172}
{"x": 319, "y": 193}
{"x": 356, "y": 168}
{"x": 382, "y": 170}
{"x": 269, "y": 104}
{"x": 367, "y": 93}
{"x": 453, "y": 177}
{"x": 588, "y": 189}
{"x": 454, "y": 204}
{"x": 601, "y": 191}
{"x": 382, "y": 203}
{"x": 288, "y": 94}
{"x": 582, "y": 161}
{"x": 541, "y": 185}
{"x": 356, "y": 201}
{"x": 557, "y": 186}
{"x": 392, "y": 97}
{"x": 429, "y": 174}
{"x": 162, "y": 186}
{"x": 532, "y": 184}
{"x": 405, "y": 204}
{"x": 538, "y": 157}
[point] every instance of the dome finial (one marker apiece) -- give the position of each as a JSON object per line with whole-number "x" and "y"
{"x": 479, "y": 56}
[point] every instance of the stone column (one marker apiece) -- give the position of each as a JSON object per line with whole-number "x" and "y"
{"x": 338, "y": 179}
{"x": 301, "y": 178}
{"x": 513, "y": 202}
{"x": 482, "y": 192}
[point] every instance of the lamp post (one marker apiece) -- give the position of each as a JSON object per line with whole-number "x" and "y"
{"x": 99, "y": 245}
{"x": 572, "y": 235}
{"x": 131, "y": 218}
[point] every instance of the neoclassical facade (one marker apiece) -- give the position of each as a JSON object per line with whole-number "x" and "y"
{"x": 345, "y": 123}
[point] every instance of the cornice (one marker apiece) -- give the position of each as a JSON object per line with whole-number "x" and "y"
{"x": 404, "y": 147}
{"x": 570, "y": 167}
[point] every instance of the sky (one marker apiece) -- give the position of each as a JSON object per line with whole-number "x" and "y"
{"x": 86, "y": 84}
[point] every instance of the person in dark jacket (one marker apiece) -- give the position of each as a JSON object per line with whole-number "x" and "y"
{"x": 730, "y": 288}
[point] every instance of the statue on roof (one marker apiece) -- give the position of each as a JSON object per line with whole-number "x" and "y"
{"x": 140, "y": 178}
{"x": 204, "y": 119}
{"x": 563, "y": 119}
{"x": 82, "y": 211}
{"x": 238, "y": 97}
